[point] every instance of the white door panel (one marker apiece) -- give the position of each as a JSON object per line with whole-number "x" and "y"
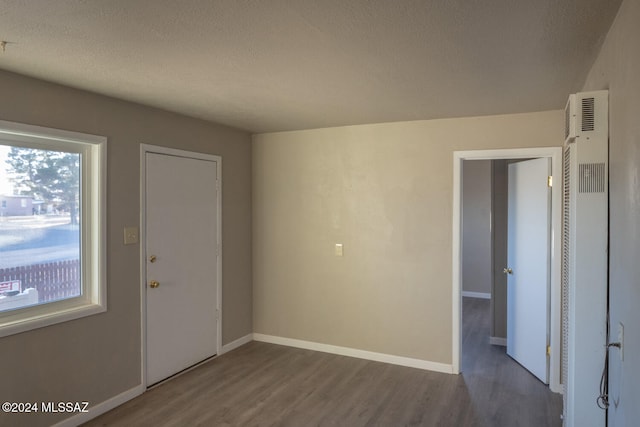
{"x": 529, "y": 260}
{"x": 181, "y": 233}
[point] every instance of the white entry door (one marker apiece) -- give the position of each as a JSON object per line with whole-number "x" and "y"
{"x": 181, "y": 210}
{"x": 528, "y": 265}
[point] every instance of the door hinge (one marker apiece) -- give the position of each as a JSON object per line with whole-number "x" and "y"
{"x": 548, "y": 350}
{"x": 550, "y": 181}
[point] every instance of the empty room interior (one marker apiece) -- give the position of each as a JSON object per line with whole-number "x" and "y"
{"x": 320, "y": 213}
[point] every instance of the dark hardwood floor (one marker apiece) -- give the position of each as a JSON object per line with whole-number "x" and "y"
{"x": 507, "y": 393}
{"x": 263, "y": 384}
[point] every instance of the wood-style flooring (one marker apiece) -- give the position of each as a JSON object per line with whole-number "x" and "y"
{"x": 263, "y": 384}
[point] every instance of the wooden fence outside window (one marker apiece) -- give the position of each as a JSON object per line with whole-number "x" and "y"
{"x": 53, "y": 281}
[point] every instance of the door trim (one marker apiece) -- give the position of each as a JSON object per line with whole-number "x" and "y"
{"x": 555, "y": 153}
{"x": 144, "y": 149}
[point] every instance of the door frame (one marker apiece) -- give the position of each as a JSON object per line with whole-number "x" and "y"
{"x": 555, "y": 153}
{"x": 144, "y": 149}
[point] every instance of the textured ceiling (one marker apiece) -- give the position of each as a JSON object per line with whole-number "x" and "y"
{"x": 280, "y": 65}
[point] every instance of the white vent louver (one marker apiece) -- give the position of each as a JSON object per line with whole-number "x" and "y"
{"x": 591, "y": 177}
{"x": 566, "y": 256}
{"x": 584, "y": 256}
{"x": 582, "y": 119}
{"x": 588, "y": 114}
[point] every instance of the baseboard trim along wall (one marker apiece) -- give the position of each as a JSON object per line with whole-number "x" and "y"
{"x": 235, "y": 344}
{"x": 360, "y": 354}
{"x": 482, "y": 295}
{"x": 101, "y": 408}
{"x": 498, "y": 341}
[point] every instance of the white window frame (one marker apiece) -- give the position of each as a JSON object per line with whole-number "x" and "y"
{"x": 93, "y": 151}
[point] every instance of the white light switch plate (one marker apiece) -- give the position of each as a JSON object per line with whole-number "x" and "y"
{"x": 339, "y": 249}
{"x": 130, "y": 235}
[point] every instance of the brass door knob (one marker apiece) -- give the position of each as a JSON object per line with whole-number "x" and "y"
{"x": 154, "y": 284}
{"x": 507, "y": 271}
{"x": 153, "y": 258}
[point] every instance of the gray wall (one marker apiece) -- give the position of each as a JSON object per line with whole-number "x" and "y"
{"x": 476, "y": 226}
{"x": 484, "y": 231}
{"x": 617, "y": 68}
{"x": 98, "y": 357}
{"x": 499, "y": 217}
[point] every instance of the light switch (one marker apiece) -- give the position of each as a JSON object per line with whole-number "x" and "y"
{"x": 130, "y": 235}
{"x": 338, "y": 249}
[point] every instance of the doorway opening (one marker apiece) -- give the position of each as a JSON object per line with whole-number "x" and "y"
{"x": 554, "y": 154}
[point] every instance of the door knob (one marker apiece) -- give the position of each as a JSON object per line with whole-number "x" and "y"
{"x": 507, "y": 271}
{"x": 154, "y": 284}
{"x": 153, "y": 258}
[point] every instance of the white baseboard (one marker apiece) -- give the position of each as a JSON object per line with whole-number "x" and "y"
{"x": 482, "y": 295}
{"x": 498, "y": 341}
{"x": 235, "y": 344}
{"x": 360, "y": 354}
{"x": 101, "y": 408}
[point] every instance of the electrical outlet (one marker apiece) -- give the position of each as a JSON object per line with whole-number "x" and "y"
{"x": 130, "y": 235}
{"x": 621, "y": 339}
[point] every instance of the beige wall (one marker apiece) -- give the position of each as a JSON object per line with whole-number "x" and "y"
{"x": 617, "y": 68}
{"x": 385, "y": 191}
{"x": 98, "y": 357}
{"x": 476, "y": 226}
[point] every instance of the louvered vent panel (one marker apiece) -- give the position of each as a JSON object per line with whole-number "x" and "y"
{"x": 588, "y": 114}
{"x": 591, "y": 178}
{"x": 566, "y": 203}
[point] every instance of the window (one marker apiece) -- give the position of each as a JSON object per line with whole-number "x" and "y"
{"x": 52, "y": 226}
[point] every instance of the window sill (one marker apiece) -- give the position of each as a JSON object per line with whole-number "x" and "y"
{"x": 36, "y": 320}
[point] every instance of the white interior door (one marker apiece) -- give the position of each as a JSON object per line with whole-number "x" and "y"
{"x": 528, "y": 264}
{"x": 181, "y": 263}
